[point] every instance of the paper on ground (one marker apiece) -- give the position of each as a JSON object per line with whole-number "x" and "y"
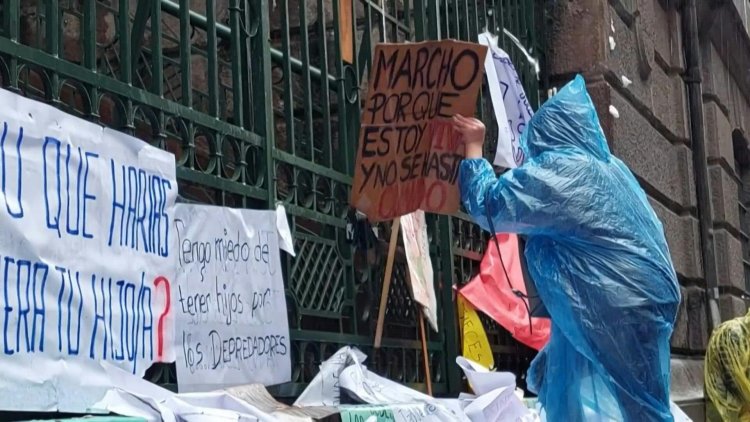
{"x": 501, "y": 404}
{"x": 136, "y": 397}
{"x": 259, "y": 397}
{"x": 370, "y": 388}
{"x": 323, "y": 390}
{"x": 483, "y": 381}
{"x": 417, "y": 249}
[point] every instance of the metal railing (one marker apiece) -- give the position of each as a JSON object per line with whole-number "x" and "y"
{"x": 258, "y": 105}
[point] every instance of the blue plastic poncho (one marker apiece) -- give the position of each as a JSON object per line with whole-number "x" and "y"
{"x": 597, "y": 253}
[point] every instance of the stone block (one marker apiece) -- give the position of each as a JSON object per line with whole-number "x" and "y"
{"x": 580, "y": 26}
{"x": 683, "y": 239}
{"x": 697, "y": 322}
{"x": 724, "y": 195}
{"x": 646, "y": 23}
{"x": 650, "y": 155}
{"x": 669, "y": 102}
{"x": 729, "y": 259}
{"x": 668, "y": 37}
{"x": 660, "y": 94}
{"x": 731, "y": 307}
{"x": 680, "y": 334}
{"x": 687, "y": 379}
{"x": 739, "y": 108}
{"x": 716, "y": 76}
{"x": 744, "y": 122}
{"x": 622, "y": 60}
{"x": 718, "y": 133}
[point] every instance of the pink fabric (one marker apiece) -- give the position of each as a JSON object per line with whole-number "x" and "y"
{"x": 490, "y": 293}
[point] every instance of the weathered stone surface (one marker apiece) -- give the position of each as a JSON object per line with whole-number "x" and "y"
{"x": 669, "y": 101}
{"x": 731, "y": 307}
{"x": 718, "y": 133}
{"x": 622, "y": 60}
{"x": 715, "y": 75}
{"x": 739, "y": 108}
{"x": 697, "y": 322}
{"x": 687, "y": 379}
{"x": 660, "y": 95}
{"x": 580, "y": 26}
{"x": 680, "y": 333}
{"x": 668, "y": 37}
{"x": 729, "y": 259}
{"x": 664, "y": 166}
{"x": 683, "y": 238}
{"x": 724, "y": 192}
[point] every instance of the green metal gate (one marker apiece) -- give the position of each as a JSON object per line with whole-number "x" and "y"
{"x": 256, "y": 102}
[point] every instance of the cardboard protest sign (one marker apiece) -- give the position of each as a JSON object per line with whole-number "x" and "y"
{"x": 408, "y": 156}
{"x": 87, "y": 256}
{"x": 230, "y": 308}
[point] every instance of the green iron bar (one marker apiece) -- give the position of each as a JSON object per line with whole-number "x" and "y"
{"x": 89, "y": 19}
{"x": 89, "y": 23}
{"x": 343, "y": 154}
{"x": 157, "y": 60}
{"x": 142, "y": 15}
{"x": 212, "y": 56}
{"x": 126, "y": 75}
{"x": 225, "y": 32}
{"x": 52, "y": 24}
{"x": 307, "y": 127}
{"x": 185, "y": 54}
{"x": 11, "y": 14}
{"x": 325, "y": 88}
{"x": 12, "y": 20}
{"x": 287, "y": 70}
{"x": 237, "y": 68}
{"x": 68, "y": 69}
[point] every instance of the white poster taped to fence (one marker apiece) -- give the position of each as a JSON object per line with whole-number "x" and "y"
{"x": 512, "y": 109}
{"x": 87, "y": 256}
{"x": 417, "y": 249}
{"x": 229, "y": 299}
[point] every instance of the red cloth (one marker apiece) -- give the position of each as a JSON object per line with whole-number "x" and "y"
{"x": 490, "y": 293}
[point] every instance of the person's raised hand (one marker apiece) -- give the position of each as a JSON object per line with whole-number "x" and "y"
{"x": 472, "y": 132}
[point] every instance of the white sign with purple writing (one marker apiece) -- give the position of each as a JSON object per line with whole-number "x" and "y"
{"x": 86, "y": 253}
{"x": 512, "y": 109}
{"x": 229, "y": 299}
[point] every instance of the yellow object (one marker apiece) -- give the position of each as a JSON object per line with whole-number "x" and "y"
{"x": 475, "y": 345}
{"x": 727, "y": 369}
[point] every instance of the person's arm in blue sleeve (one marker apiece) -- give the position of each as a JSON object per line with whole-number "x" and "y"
{"x": 476, "y": 181}
{"x": 512, "y": 201}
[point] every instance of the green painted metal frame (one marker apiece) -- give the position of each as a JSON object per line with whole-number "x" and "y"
{"x": 254, "y": 100}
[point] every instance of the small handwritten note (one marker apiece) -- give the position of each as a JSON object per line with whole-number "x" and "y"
{"x": 229, "y": 299}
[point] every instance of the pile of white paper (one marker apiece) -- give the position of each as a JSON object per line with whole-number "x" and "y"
{"x": 342, "y": 379}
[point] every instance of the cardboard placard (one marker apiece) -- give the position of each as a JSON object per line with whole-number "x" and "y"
{"x": 408, "y": 155}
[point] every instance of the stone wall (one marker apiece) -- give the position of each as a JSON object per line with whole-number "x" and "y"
{"x": 631, "y": 53}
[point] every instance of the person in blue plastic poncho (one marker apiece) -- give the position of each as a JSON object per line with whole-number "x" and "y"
{"x": 597, "y": 253}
